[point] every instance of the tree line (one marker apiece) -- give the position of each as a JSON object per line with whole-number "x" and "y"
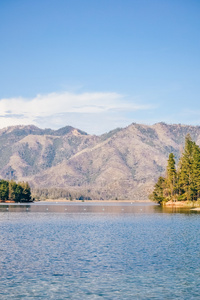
{"x": 18, "y": 192}
{"x": 56, "y": 193}
{"x": 181, "y": 183}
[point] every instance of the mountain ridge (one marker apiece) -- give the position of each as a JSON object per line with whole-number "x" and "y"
{"x": 123, "y": 163}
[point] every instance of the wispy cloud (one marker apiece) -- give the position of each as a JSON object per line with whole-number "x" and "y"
{"x": 56, "y": 109}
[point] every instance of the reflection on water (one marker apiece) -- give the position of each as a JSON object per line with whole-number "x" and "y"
{"x": 82, "y": 207}
{"x": 98, "y": 251}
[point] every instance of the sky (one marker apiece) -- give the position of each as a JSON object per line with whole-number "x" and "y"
{"x": 99, "y": 64}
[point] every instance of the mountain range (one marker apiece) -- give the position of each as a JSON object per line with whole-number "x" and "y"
{"x": 122, "y": 164}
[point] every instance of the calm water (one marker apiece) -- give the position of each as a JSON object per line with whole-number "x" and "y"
{"x": 98, "y": 251}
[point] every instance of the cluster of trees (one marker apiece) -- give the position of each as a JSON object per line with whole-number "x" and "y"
{"x": 18, "y": 192}
{"x": 181, "y": 183}
{"x": 56, "y": 193}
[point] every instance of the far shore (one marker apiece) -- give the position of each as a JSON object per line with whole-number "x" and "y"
{"x": 93, "y": 201}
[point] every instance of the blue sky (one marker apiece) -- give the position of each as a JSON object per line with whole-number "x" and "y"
{"x": 99, "y": 64}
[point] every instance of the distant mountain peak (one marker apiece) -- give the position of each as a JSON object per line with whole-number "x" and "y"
{"x": 68, "y": 129}
{"x": 123, "y": 163}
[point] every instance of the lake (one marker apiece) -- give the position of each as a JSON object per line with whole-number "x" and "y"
{"x": 99, "y": 251}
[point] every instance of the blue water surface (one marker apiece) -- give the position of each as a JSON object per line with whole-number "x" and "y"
{"x": 98, "y": 251}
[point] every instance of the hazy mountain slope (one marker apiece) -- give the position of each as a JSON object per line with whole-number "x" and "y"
{"x": 124, "y": 163}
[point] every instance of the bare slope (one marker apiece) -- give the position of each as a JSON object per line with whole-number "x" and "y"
{"x": 125, "y": 163}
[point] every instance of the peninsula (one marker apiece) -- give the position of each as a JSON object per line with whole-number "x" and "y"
{"x": 181, "y": 185}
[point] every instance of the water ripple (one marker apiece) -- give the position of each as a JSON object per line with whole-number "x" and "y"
{"x": 80, "y": 255}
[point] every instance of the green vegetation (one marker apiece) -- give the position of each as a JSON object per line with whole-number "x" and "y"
{"x": 12, "y": 191}
{"x": 183, "y": 183}
{"x": 57, "y": 193}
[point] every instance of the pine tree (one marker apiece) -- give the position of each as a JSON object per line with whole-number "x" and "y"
{"x": 26, "y": 191}
{"x": 183, "y": 184}
{"x": 171, "y": 177}
{"x": 157, "y": 194}
{"x": 18, "y": 193}
{"x": 196, "y": 172}
{"x": 4, "y": 190}
{"x": 12, "y": 190}
{"x": 186, "y": 170}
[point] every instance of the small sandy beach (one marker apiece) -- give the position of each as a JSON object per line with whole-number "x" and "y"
{"x": 184, "y": 204}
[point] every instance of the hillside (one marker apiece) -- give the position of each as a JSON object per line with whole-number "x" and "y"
{"x": 123, "y": 164}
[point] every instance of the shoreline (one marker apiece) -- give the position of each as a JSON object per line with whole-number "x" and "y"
{"x": 183, "y": 204}
{"x": 94, "y": 201}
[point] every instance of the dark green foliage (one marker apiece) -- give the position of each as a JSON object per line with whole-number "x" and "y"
{"x": 186, "y": 182}
{"x": 26, "y": 191}
{"x": 56, "y": 193}
{"x": 51, "y": 193}
{"x": 4, "y": 190}
{"x": 157, "y": 195}
{"x": 183, "y": 184}
{"x": 171, "y": 178}
{"x": 83, "y": 198}
{"x": 189, "y": 171}
{"x": 196, "y": 172}
{"x": 18, "y": 192}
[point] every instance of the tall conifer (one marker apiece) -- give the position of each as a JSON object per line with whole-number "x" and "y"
{"x": 196, "y": 172}
{"x": 186, "y": 170}
{"x": 183, "y": 184}
{"x": 157, "y": 194}
{"x": 171, "y": 175}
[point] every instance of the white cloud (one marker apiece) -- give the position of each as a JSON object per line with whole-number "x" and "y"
{"x": 56, "y": 109}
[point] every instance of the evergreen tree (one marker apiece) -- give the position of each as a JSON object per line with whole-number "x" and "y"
{"x": 157, "y": 195}
{"x": 186, "y": 171}
{"x": 196, "y": 172}
{"x": 18, "y": 193}
{"x": 171, "y": 176}
{"x": 183, "y": 184}
{"x": 4, "y": 190}
{"x": 26, "y": 191}
{"x": 12, "y": 190}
